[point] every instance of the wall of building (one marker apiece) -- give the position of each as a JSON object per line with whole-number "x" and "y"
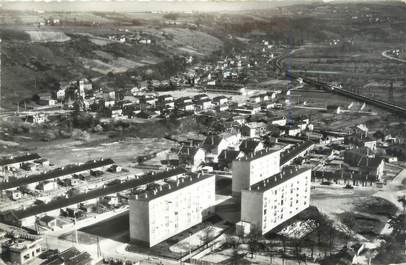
{"x": 249, "y": 172}
{"x": 279, "y": 203}
{"x": 173, "y": 212}
{"x": 252, "y": 207}
{"x": 139, "y": 220}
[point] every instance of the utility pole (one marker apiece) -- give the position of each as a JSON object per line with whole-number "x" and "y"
{"x": 99, "y": 253}
{"x": 0, "y": 75}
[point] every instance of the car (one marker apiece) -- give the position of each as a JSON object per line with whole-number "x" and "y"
{"x": 348, "y": 186}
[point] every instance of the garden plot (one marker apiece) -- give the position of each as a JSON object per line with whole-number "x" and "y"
{"x": 195, "y": 240}
{"x": 47, "y": 36}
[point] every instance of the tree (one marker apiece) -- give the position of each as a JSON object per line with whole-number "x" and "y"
{"x": 171, "y": 16}
{"x": 270, "y": 250}
{"x": 402, "y": 200}
{"x": 232, "y": 241}
{"x": 236, "y": 258}
{"x": 253, "y": 240}
{"x": 298, "y": 250}
{"x": 207, "y": 235}
{"x": 398, "y": 224}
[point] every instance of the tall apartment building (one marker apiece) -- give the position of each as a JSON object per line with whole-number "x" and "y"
{"x": 276, "y": 199}
{"x": 254, "y": 168}
{"x": 172, "y": 208}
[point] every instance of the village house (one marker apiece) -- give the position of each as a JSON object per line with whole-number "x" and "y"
{"x": 47, "y": 185}
{"x": 220, "y": 100}
{"x": 259, "y": 98}
{"x": 361, "y": 160}
{"x": 222, "y": 88}
{"x": 200, "y": 97}
{"x": 251, "y": 146}
{"x": 70, "y": 256}
{"x": 280, "y": 120}
{"x": 21, "y": 250}
{"x": 115, "y": 113}
{"x": 253, "y": 129}
{"x": 166, "y": 102}
{"x": 214, "y": 144}
{"x": 109, "y": 94}
{"x": 398, "y": 150}
{"x": 291, "y": 130}
{"x": 60, "y": 94}
{"x": 47, "y": 221}
{"x": 46, "y": 99}
{"x": 35, "y": 118}
{"x": 108, "y": 103}
{"x": 226, "y": 157}
{"x": 15, "y": 162}
{"x": 357, "y": 140}
{"x": 148, "y": 99}
{"x": 191, "y": 155}
{"x": 203, "y": 104}
{"x": 336, "y": 109}
{"x": 14, "y": 194}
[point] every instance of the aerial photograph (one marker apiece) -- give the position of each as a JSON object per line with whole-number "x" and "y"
{"x": 207, "y": 132}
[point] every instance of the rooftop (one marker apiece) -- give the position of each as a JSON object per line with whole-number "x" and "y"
{"x": 65, "y": 202}
{"x": 21, "y": 244}
{"x": 275, "y": 180}
{"x": 170, "y": 187}
{"x": 59, "y": 172}
{"x": 70, "y": 256}
{"x": 258, "y": 154}
{"x": 293, "y": 152}
{"x": 18, "y": 159}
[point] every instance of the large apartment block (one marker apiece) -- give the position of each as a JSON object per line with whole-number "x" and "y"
{"x": 254, "y": 168}
{"x": 276, "y": 199}
{"x": 171, "y": 208}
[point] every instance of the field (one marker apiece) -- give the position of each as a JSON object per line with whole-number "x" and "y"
{"x": 47, "y": 36}
{"x": 36, "y": 60}
{"x": 362, "y": 69}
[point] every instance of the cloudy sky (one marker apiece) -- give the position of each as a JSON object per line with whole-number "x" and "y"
{"x": 151, "y": 5}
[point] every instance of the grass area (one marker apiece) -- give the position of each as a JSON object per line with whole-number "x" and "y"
{"x": 115, "y": 228}
{"x": 376, "y": 206}
{"x": 362, "y": 224}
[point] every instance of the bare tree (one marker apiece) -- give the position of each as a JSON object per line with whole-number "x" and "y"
{"x": 207, "y": 235}
{"x": 253, "y": 240}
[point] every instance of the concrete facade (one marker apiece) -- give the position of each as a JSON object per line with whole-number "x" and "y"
{"x": 172, "y": 208}
{"x": 276, "y": 199}
{"x": 254, "y": 168}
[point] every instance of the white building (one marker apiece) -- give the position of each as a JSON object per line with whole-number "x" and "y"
{"x": 214, "y": 144}
{"x": 269, "y": 203}
{"x": 172, "y": 208}
{"x": 254, "y": 168}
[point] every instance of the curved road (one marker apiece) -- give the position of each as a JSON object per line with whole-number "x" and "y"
{"x": 385, "y": 54}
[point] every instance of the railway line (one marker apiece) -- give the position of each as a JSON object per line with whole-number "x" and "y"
{"x": 396, "y": 109}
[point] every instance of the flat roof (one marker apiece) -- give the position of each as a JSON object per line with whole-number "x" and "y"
{"x": 171, "y": 187}
{"x": 19, "y": 159}
{"x": 57, "y": 204}
{"x": 59, "y": 172}
{"x": 258, "y": 154}
{"x": 275, "y": 180}
{"x": 293, "y": 152}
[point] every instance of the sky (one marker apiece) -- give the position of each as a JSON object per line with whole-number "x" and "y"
{"x": 152, "y": 5}
{"x": 142, "y": 5}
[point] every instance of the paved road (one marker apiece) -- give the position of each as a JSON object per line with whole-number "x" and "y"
{"x": 385, "y": 54}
